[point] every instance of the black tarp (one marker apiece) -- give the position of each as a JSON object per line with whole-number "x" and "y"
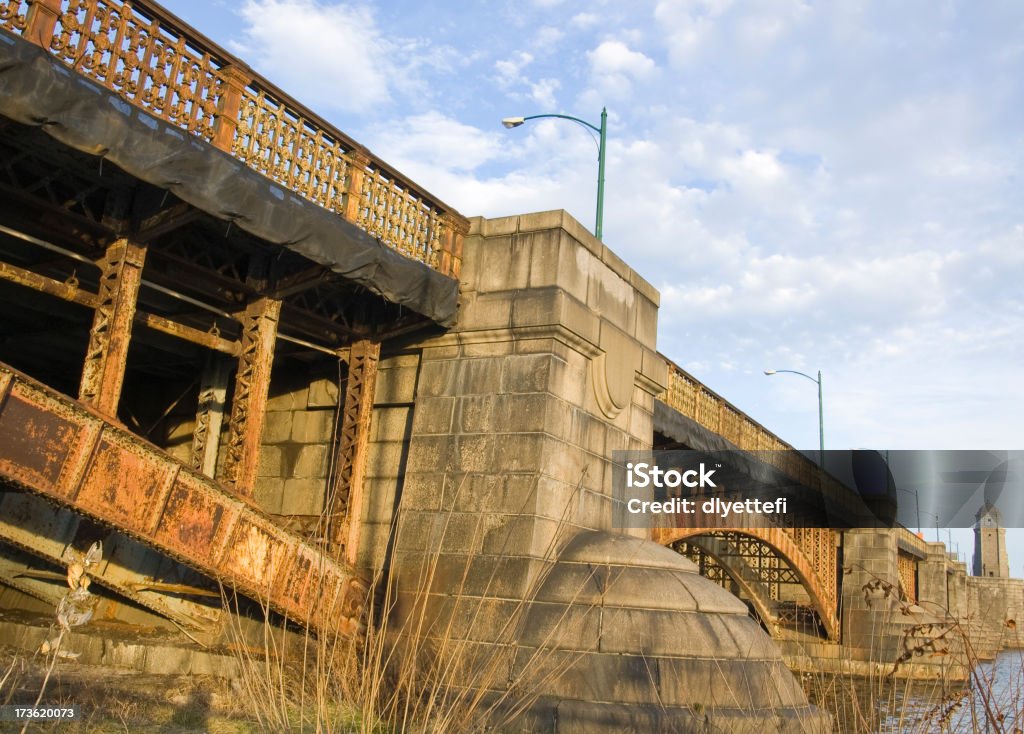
{"x": 36, "y": 89}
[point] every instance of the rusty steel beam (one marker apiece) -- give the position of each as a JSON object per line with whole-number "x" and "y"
{"x": 56, "y": 447}
{"x": 70, "y": 291}
{"x": 107, "y": 355}
{"x": 37, "y": 527}
{"x": 202, "y": 338}
{"x": 213, "y": 391}
{"x": 345, "y": 497}
{"x": 65, "y": 291}
{"x": 166, "y": 221}
{"x": 249, "y": 399}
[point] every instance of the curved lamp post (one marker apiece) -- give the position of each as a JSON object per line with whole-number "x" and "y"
{"x": 821, "y": 416}
{"x": 602, "y": 131}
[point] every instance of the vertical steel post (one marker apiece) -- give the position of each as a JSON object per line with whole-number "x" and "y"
{"x": 213, "y": 390}
{"x": 345, "y": 499}
{"x": 107, "y": 354}
{"x": 249, "y": 398}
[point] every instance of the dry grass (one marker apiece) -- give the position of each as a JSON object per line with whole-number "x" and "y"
{"x": 417, "y": 668}
{"x": 991, "y": 700}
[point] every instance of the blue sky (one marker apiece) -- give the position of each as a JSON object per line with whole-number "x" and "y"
{"x": 810, "y": 185}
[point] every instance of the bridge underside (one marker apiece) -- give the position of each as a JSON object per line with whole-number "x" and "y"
{"x": 157, "y": 296}
{"x": 789, "y": 577}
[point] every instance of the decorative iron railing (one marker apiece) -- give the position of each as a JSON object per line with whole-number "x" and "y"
{"x": 156, "y": 61}
{"x": 691, "y": 398}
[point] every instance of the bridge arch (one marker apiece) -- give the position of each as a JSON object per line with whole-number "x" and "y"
{"x": 815, "y": 571}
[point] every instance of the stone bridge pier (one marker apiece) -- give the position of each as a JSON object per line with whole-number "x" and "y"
{"x": 504, "y": 507}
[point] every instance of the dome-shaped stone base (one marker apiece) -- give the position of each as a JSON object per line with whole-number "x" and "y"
{"x": 625, "y": 636}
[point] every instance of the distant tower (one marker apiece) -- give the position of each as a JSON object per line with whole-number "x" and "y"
{"x": 990, "y": 544}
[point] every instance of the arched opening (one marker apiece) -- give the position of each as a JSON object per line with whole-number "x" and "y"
{"x": 789, "y": 589}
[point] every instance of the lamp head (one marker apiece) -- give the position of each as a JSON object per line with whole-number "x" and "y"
{"x": 769, "y": 372}
{"x": 511, "y": 122}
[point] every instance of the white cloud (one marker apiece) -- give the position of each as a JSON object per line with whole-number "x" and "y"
{"x": 434, "y": 141}
{"x": 510, "y": 70}
{"x": 615, "y": 57}
{"x": 289, "y": 39}
{"x": 585, "y": 20}
{"x": 548, "y": 36}
{"x": 543, "y": 93}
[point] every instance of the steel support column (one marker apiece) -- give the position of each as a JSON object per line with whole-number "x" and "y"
{"x": 345, "y": 498}
{"x": 105, "y": 359}
{"x": 249, "y": 399}
{"x": 213, "y": 391}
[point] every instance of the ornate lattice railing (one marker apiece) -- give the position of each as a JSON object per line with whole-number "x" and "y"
{"x": 691, "y": 398}
{"x": 156, "y": 61}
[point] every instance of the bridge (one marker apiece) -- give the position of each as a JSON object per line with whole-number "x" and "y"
{"x": 240, "y": 350}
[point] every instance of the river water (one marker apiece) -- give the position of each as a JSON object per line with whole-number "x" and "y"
{"x": 993, "y": 703}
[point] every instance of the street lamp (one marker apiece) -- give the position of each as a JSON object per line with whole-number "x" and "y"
{"x": 821, "y": 414}
{"x": 602, "y": 131}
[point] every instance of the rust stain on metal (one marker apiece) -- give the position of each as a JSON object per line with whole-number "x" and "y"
{"x": 254, "y": 555}
{"x": 62, "y": 450}
{"x": 123, "y": 483}
{"x": 35, "y": 442}
{"x": 191, "y": 519}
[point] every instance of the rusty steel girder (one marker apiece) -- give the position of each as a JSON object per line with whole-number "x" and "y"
{"x": 56, "y": 447}
{"x": 46, "y": 531}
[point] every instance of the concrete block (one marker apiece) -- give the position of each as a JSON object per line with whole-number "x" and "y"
{"x": 479, "y": 376}
{"x": 269, "y": 463}
{"x": 535, "y": 221}
{"x": 322, "y": 394}
{"x": 645, "y": 322}
{"x": 500, "y": 226}
{"x": 476, "y": 414}
{"x": 488, "y": 349}
{"x": 267, "y": 493}
{"x": 303, "y": 497}
{"x": 537, "y": 307}
{"x": 437, "y": 378}
{"x": 645, "y": 289}
{"x": 485, "y": 310}
{"x": 277, "y": 427}
{"x": 433, "y": 415}
{"x": 390, "y": 423}
{"x": 384, "y": 459}
{"x": 500, "y": 492}
{"x": 582, "y": 235}
{"x": 379, "y": 499}
{"x": 555, "y": 263}
{"x": 286, "y": 400}
{"x": 431, "y": 454}
{"x": 310, "y": 462}
{"x": 397, "y": 384}
{"x": 312, "y": 426}
{"x": 612, "y": 298}
{"x": 525, "y": 374}
{"x": 505, "y": 264}
{"x": 168, "y": 660}
{"x": 474, "y": 453}
{"x": 515, "y": 452}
